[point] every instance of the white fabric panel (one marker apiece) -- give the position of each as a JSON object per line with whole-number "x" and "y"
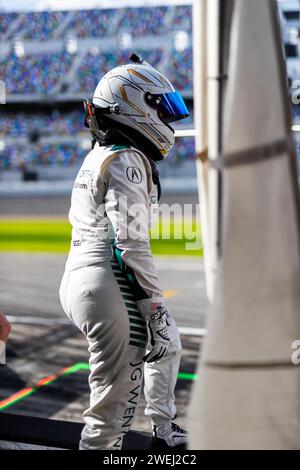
{"x": 253, "y": 113}
{"x": 247, "y": 409}
{"x": 256, "y": 311}
{"x": 248, "y": 393}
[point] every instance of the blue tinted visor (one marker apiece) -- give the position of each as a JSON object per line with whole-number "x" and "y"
{"x": 170, "y": 106}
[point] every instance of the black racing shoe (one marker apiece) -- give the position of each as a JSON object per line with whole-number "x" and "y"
{"x": 169, "y": 435}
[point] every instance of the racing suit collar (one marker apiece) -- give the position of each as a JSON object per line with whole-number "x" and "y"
{"x": 124, "y": 136}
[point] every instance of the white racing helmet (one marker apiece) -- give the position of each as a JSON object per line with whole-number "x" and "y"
{"x": 142, "y": 99}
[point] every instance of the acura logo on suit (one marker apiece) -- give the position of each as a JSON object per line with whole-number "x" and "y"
{"x": 134, "y": 174}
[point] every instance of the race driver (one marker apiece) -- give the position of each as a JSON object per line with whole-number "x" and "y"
{"x": 110, "y": 289}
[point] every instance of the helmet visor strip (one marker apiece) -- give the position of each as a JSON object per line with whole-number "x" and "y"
{"x": 170, "y": 106}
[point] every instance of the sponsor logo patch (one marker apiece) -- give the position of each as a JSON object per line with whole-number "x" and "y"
{"x": 134, "y": 175}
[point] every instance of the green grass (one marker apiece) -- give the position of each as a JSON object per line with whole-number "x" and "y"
{"x": 43, "y": 235}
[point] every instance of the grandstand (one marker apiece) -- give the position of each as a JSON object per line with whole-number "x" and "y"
{"x": 51, "y": 60}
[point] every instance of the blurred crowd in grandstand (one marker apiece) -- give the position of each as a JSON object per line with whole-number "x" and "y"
{"x": 54, "y": 123}
{"x": 40, "y": 72}
{"x": 34, "y": 73}
{"x": 144, "y": 21}
{"x": 39, "y": 25}
{"x": 95, "y": 64}
{"x": 53, "y": 71}
{"x": 139, "y": 21}
{"x": 15, "y": 156}
{"x": 46, "y": 69}
{"x": 180, "y": 70}
{"x": 89, "y": 23}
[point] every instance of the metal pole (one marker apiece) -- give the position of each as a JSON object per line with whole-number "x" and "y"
{"x": 200, "y": 119}
{"x": 207, "y": 109}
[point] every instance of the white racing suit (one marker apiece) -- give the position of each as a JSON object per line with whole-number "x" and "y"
{"x": 108, "y": 269}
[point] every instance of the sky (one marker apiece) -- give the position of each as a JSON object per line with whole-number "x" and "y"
{"x": 31, "y": 5}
